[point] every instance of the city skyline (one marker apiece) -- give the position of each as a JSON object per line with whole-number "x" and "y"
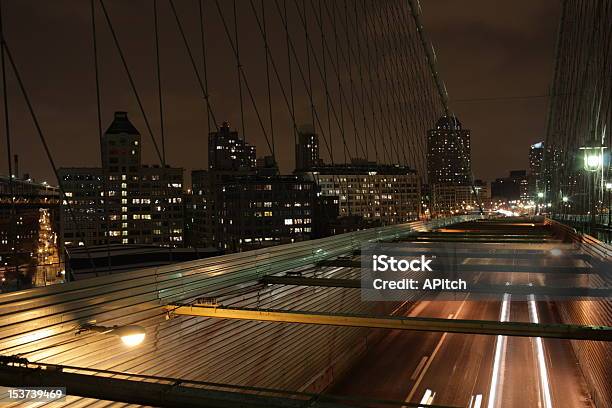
{"x": 185, "y": 112}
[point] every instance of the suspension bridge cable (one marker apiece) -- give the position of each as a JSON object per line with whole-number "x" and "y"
{"x": 100, "y": 136}
{"x": 290, "y": 71}
{"x": 236, "y": 48}
{"x": 131, "y": 81}
{"x": 204, "y": 63}
{"x": 246, "y": 82}
{"x": 160, "y": 98}
{"x": 300, "y": 70}
{"x": 47, "y": 151}
{"x": 266, "y": 46}
{"x": 203, "y": 84}
{"x": 319, "y": 69}
{"x": 325, "y": 84}
{"x": 7, "y": 129}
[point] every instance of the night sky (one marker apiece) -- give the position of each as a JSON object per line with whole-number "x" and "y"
{"x": 484, "y": 49}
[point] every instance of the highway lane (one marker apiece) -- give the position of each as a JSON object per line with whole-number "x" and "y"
{"x": 459, "y": 367}
{"x": 389, "y": 367}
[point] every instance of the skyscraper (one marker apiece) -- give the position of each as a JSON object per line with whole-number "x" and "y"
{"x": 449, "y": 153}
{"x": 227, "y": 152}
{"x": 144, "y": 203}
{"x": 307, "y": 149}
{"x": 536, "y": 155}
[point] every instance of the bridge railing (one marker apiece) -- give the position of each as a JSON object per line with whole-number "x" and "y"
{"x": 585, "y": 242}
{"x": 46, "y": 317}
{"x": 593, "y": 356}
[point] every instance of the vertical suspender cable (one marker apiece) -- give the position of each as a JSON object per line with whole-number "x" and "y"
{"x": 205, "y": 68}
{"x": 7, "y": 129}
{"x": 46, "y": 148}
{"x": 159, "y": 86}
{"x": 238, "y": 68}
{"x": 290, "y": 69}
{"x": 415, "y": 9}
{"x": 265, "y": 38}
{"x": 100, "y": 136}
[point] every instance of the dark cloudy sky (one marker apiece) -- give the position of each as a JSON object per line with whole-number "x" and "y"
{"x": 496, "y": 49}
{"x": 484, "y": 49}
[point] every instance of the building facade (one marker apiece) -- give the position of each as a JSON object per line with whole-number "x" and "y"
{"x": 259, "y": 211}
{"x": 449, "y": 168}
{"x": 515, "y": 187}
{"x": 122, "y": 202}
{"x": 228, "y": 152}
{"x": 307, "y": 149}
{"x": 536, "y": 158}
{"x": 378, "y": 193}
{"x": 449, "y": 153}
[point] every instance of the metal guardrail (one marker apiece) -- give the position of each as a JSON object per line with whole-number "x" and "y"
{"x": 593, "y": 357}
{"x": 584, "y": 242}
{"x": 40, "y": 323}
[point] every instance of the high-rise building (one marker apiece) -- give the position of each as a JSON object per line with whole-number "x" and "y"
{"x": 143, "y": 203}
{"x": 384, "y": 193}
{"x": 198, "y": 211}
{"x": 259, "y": 211}
{"x": 449, "y": 153}
{"x": 536, "y": 157}
{"x": 307, "y": 149}
{"x": 512, "y": 188}
{"x": 227, "y": 152}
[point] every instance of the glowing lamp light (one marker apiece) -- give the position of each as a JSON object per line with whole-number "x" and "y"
{"x": 130, "y": 335}
{"x": 556, "y": 252}
{"x": 565, "y": 199}
{"x": 608, "y": 186}
{"x": 593, "y": 157}
{"x": 540, "y": 195}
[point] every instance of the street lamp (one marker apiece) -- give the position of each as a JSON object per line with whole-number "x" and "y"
{"x": 538, "y": 204}
{"x": 609, "y": 190}
{"x": 593, "y": 161}
{"x": 130, "y": 335}
{"x": 593, "y": 156}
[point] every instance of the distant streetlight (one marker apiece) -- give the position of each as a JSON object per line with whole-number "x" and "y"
{"x": 538, "y": 204}
{"x": 593, "y": 161}
{"x": 130, "y": 335}
{"x": 565, "y": 199}
{"x": 609, "y": 190}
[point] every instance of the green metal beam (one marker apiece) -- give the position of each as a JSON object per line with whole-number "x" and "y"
{"x": 484, "y": 289}
{"x": 559, "y": 331}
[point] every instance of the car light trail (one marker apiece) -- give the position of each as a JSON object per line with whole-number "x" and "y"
{"x": 499, "y": 346}
{"x": 427, "y": 398}
{"x": 544, "y": 384}
{"x": 475, "y": 402}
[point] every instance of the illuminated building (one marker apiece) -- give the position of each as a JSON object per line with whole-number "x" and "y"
{"x": 258, "y": 211}
{"x": 307, "y": 149}
{"x": 227, "y": 152}
{"x": 449, "y": 153}
{"x": 144, "y": 203}
{"x": 388, "y": 194}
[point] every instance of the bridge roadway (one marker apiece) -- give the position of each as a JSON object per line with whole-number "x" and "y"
{"x": 459, "y": 367}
